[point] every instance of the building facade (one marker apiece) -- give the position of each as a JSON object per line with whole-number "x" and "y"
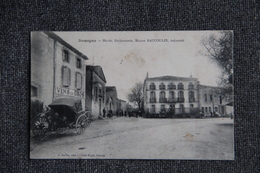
{"x": 95, "y": 90}
{"x": 213, "y": 101}
{"x": 111, "y": 99}
{"x": 171, "y": 94}
{"x": 57, "y": 69}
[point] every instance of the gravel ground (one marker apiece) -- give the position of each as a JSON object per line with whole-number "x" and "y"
{"x": 139, "y": 138}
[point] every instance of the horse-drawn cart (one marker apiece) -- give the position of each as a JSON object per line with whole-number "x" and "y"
{"x": 63, "y": 113}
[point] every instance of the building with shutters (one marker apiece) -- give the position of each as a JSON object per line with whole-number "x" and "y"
{"x": 171, "y": 95}
{"x": 57, "y": 69}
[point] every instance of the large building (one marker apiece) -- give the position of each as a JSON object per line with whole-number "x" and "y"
{"x": 212, "y": 101}
{"x": 171, "y": 94}
{"x": 57, "y": 69}
{"x": 95, "y": 90}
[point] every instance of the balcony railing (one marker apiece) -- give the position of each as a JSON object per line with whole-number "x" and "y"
{"x": 172, "y": 100}
{"x": 162, "y": 100}
{"x": 152, "y": 87}
{"x": 171, "y": 87}
{"x": 152, "y": 100}
{"x": 181, "y": 100}
{"x": 191, "y": 99}
{"x": 162, "y": 87}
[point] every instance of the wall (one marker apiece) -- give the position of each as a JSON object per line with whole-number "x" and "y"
{"x": 42, "y": 52}
{"x": 59, "y": 63}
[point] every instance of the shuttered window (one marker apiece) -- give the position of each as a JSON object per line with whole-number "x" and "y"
{"x": 78, "y": 80}
{"x": 65, "y": 76}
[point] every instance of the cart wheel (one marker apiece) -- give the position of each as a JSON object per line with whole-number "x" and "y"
{"x": 40, "y": 126}
{"x": 81, "y": 124}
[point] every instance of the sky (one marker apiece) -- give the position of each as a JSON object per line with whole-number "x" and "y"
{"x": 126, "y": 63}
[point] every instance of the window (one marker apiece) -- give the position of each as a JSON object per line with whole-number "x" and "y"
{"x": 181, "y": 108}
{"x": 152, "y": 94}
{"x": 180, "y": 86}
{"x": 191, "y": 86}
{"x": 180, "y": 96}
{"x": 191, "y": 105}
{"x": 171, "y": 86}
{"x": 162, "y": 97}
{"x": 209, "y": 109}
{"x": 162, "y": 86}
{"x": 206, "y": 109}
{"x": 210, "y": 97}
{"x": 220, "y": 100}
{"x": 152, "y": 97}
{"x": 152, "y": 86}
{"x": 162, "y": 94}
{"x": 78, "y": 62}
{"x": 171, "y": 94}
{"x": 65, "y": 76}
{"x": 78, "y": 80}
{"x": 205, "y": 97}
{"x": 191, "y": 96}
{"x": 163, "y": 108}
{"x": 202, "y": 109}
{"x": 65, "y": 56}
{"x": 33, "y": 91}
{"x": 153, "y": 109}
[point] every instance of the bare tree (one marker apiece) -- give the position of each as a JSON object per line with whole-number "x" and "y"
{"x": 219, "y": 48}
{"x": 135, "y": 96}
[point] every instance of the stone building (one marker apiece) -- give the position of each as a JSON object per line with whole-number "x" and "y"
{"x": 57, "y": 69}
{"x": 121, "y": 105}
{"x": 95, "y": 90}
{"x": 171, "y": 94}
{"x": 111, "y": 99}
{"x": 213, "y": 101}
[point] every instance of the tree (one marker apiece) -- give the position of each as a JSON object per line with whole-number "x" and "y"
{"x": 219, "y": 48}
{"x": 135, "y": 96}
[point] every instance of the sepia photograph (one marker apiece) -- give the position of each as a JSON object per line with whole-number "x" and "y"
{"x": 132, "y": 95}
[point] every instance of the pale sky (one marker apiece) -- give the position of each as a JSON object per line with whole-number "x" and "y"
{"x": 125, "y": 63}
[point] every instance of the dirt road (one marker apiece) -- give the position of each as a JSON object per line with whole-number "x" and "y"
{"x": 139, "y": 138}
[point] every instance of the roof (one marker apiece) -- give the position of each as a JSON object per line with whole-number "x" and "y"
{"x": 166, "y": 78}
{"x": 98, "y": 70}
{"x": 57, "y": 38}
{"x": 110, "y": 88}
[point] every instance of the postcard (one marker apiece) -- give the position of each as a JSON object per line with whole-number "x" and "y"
{"x": 132, "y": 95}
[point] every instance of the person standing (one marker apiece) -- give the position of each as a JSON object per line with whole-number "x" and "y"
{"x": 104, "y": 112}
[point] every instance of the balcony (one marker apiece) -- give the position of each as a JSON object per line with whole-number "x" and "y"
{"x": 162, "y": 87}
{"x": 152, "y": 100}
{"x": 191, "y": 100}
{"x": 181, "y": 100}
{"x": 172, "y": 100}
{"x": 162, "y": 100}
{"x": 171, "y": 87}
{"x": 152, "y": 87}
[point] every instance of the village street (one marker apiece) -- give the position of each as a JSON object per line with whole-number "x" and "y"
{"x": 140, "y": 138}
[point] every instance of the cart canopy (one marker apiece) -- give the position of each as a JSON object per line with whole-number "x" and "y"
{"x": 67, "y": 106}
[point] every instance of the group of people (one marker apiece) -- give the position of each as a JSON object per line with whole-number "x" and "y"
{"x": 121, "y": 113}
